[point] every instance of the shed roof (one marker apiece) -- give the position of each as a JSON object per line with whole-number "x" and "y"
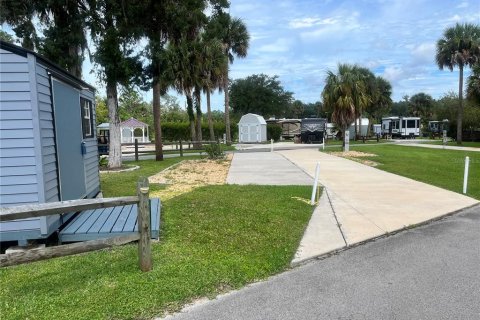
{"x": 133, "y": 123}
{"x": 104, "y": 125}
{"x": 251, "y": 117}
{"x": 53, "y": 68}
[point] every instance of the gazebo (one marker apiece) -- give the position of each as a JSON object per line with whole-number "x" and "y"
{"x": 130, "y": 127}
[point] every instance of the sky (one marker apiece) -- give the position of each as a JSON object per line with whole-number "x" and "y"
{"x": 396, "y": 39}
{"x": 299, "y": 40}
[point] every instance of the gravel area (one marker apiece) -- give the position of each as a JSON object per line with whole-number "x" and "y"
{"x": 190, "y": 174}
{"x": 357, "y": 156}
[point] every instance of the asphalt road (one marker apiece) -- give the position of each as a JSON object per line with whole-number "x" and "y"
{"x": 430, "y": 272}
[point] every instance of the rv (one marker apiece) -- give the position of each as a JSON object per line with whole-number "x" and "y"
{"x": 313, "y": 130}
{"x": 401, "y": 127}
{"x": 436, "y": 127}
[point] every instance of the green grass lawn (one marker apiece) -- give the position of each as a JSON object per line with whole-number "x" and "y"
{"x": 353, "y": 142}
{"x": 441, "y": 168}
{"x": 213, "y": 239}
{"x": 453, "y": 143}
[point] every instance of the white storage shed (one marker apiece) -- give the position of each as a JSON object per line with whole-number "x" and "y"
{"x": 363, "y": 130}
{"x": 252, "y": 128}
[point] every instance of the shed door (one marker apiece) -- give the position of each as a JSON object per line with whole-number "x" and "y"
{"x": 253, "y": 133}
{"x": 69, "y": 136}
{"x": 244, "y": 133}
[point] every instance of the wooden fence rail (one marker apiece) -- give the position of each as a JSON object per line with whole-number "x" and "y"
{"x": 45, "y": 209}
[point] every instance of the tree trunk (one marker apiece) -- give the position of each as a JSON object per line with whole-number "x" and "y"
{"x": 75, "y": 69}
{"x": 191, "y": 116}
{"x": 157, "y": 122}
{"x": 198, "y": 109}
{"x": 115, "y": 148}
{"x": 356, "y": 127}
{"x": 360, "y": 125}
{"x": 227, "y": 110}
{"x": 460, "y": 107}
{"x": 210, "y": 121}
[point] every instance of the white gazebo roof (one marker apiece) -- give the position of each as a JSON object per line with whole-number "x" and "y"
{"x": 133, "y": 123}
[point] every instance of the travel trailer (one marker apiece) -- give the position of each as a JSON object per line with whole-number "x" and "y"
{"x": 313, "y": 130}
{"x": 436, "y": 127}
{"x": 401, "y": 127}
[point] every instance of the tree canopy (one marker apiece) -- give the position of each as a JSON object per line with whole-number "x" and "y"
{"x": 459, "y": 47}
{"x": 260, "y": 94}
{"x": 421, "y": 105}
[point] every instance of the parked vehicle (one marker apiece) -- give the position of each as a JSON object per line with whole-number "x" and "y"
{"x": 435, "y": 128}
{"x": 313, "y": 130}
{"x": 401, "y": 127}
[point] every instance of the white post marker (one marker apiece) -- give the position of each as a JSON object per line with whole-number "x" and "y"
{"x": 465, "y": 175}
{"x": 271, "y": 145}
{"x": 315, "y": 183}
{"x": 323, "y": 143}
{"x": 347, "y": 141}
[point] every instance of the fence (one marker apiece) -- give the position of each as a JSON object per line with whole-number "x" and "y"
{"x": 52, "y": 208}
{"x": 175, "y": 146}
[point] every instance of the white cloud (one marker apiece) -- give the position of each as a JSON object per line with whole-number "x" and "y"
{"x": 280, "y": 45}
{"x": 310, "y": 22}
{"x": 393, "y": 73}
{"x": 464, "y": 4}
{"x": 454, "y": 18}
{"x": 424, "y": 53}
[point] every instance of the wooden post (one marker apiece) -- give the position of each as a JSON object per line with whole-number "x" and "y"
{"x": 136, "y": 149}
{"x": 181, "y": 148}
{"x": 144, "y": 246}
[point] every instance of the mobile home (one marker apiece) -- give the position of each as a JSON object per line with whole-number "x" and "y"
{"x": 48, "y": 144}
{"x": 401, "y": 127}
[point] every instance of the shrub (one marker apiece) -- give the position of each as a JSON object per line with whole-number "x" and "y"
{"x": 103, "y": 161}
{"x": 214, "y": 151}
{"x": 274, "y": 132}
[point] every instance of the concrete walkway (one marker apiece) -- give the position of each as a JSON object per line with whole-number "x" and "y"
{"x": 366, "y": 202}
{"x": 265, "y": 168}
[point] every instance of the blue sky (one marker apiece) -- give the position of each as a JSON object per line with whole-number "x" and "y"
{"x": 299, "y": 40}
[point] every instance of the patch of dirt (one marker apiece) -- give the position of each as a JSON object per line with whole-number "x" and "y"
{"x": 353, "y": 154}
{"x": 190, "y": 174}
{"x": 357, "y": 156}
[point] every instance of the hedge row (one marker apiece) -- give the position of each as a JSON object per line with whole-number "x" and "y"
{"x": 175, "y": 131}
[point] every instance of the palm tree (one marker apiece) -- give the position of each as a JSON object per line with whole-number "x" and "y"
{"x": 367, "y": 79}
{"x": 459, "y": 47}
{"x": 341, "y": 93}
{"x": 182, "y": 72}
{"x": 233, "y": 34}
{"x": 214, "y": 64}
{"x": 164, "y": 21}
{"x": 382, "y": 98}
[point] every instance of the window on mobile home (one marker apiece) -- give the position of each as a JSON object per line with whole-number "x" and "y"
{"x": 87, "y": 123}
{"x": 411, "y": 123}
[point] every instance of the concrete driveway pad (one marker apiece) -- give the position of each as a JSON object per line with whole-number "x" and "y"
{"x": 265, "y": 168}
{"x": 369, "y": 202}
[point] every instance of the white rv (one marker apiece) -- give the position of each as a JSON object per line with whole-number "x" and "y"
{"x": 401, "y": 127}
